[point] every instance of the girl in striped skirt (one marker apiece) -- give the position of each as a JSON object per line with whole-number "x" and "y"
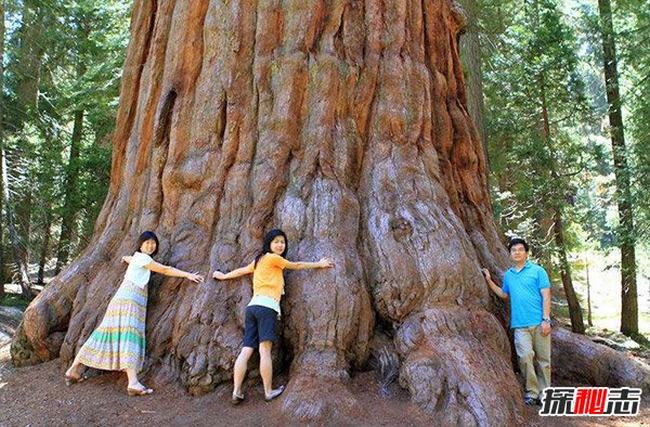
{"x": 118, "y": 343}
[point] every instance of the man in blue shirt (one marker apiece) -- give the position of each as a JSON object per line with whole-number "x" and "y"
{"x": 527, "y": 286}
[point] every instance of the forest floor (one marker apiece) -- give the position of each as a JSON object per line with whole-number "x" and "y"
{"x": 37, "y": 395}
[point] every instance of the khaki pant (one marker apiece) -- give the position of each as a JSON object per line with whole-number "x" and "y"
{"x": 534, "y": 353}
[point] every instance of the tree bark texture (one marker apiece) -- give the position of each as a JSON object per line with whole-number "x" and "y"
{"x": 343, "y": 123}
{"x": 589, "y": 321}
{"x": 578, "y": 361}
{"x": 22, "y": 205}
{"x": 629, "y": 303}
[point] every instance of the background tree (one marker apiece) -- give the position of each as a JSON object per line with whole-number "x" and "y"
{"x": 536, "y": 102}
{"x": 629, "y": 304}
{"x": 470, "y": 49}
{"x": 634, "y": 28}
{"x": 2, "y": 221}
{"x": 58, "y": 68}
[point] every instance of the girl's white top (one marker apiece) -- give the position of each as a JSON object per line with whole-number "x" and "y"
{"x": 136, "y": 272}
{"x": 265, "y": 301}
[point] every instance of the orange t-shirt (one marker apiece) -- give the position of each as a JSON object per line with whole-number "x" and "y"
{"x": 267, "y": 276}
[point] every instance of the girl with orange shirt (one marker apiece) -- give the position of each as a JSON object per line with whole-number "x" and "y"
{"x": 263, "y": 310}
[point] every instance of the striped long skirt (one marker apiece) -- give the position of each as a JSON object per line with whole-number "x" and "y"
{"x": 118, "y": 343}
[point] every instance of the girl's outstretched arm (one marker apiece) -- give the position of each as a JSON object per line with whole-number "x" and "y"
{"x": 235, "y": 273}
{"x": 173, "y": 272}
{"x": 300, "y": 265}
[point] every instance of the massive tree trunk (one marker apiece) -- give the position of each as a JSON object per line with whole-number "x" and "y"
{"x": 629, "y": 304}
{"x": 345, "y": 124}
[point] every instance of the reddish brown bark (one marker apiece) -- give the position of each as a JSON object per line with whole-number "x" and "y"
{"x": 579, "y": 361}
{"x": 342, "y": 122}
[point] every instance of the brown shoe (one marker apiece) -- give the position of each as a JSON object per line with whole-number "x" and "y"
{"x": 139, "y": 391}
{"x": 70, "y": 379}
{"x": 237, "y": 399}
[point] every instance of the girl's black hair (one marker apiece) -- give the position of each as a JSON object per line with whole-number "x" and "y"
{"x": 147, "y": 235}
{"x": 266, "y": 246}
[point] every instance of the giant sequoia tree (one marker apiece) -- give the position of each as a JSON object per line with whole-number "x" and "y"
{"x": 342, "y": 122}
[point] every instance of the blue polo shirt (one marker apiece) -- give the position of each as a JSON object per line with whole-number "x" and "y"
{"x": 523, "y": 288}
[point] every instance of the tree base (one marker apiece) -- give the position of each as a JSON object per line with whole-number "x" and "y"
{"x": 456, "y": 365}
{"x": 579, "y": 361}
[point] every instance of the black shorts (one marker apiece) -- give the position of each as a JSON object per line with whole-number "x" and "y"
{"x": 261, "y": 323}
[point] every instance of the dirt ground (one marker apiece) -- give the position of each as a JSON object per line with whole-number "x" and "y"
{"x": 37, "y": 396}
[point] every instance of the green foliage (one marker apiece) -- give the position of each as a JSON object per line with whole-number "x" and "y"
{"x": 14, "y": 300}
{"x": 635, "y": 29}
{"x": 65, "y": 56}
{"x": 536, "y": 109}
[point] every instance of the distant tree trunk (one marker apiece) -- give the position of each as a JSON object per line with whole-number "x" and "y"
{"x": 575, "y": 312}
{"x": 2, "y": 73}
{"x": 27, "y": 68}
{"x": 14, "y": 238}
{"x": 68, "y": 223}
{"x": 629, "y": 304}
{"x": 44, "y": 245}
{"x": 589, "y": 321}
{"x": 29, "y": 58}
{"x": 470, "y": 51}
{"x": 23, "y": 207}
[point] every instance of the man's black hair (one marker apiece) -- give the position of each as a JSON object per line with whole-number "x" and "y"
{"x": 517, "y": 241}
